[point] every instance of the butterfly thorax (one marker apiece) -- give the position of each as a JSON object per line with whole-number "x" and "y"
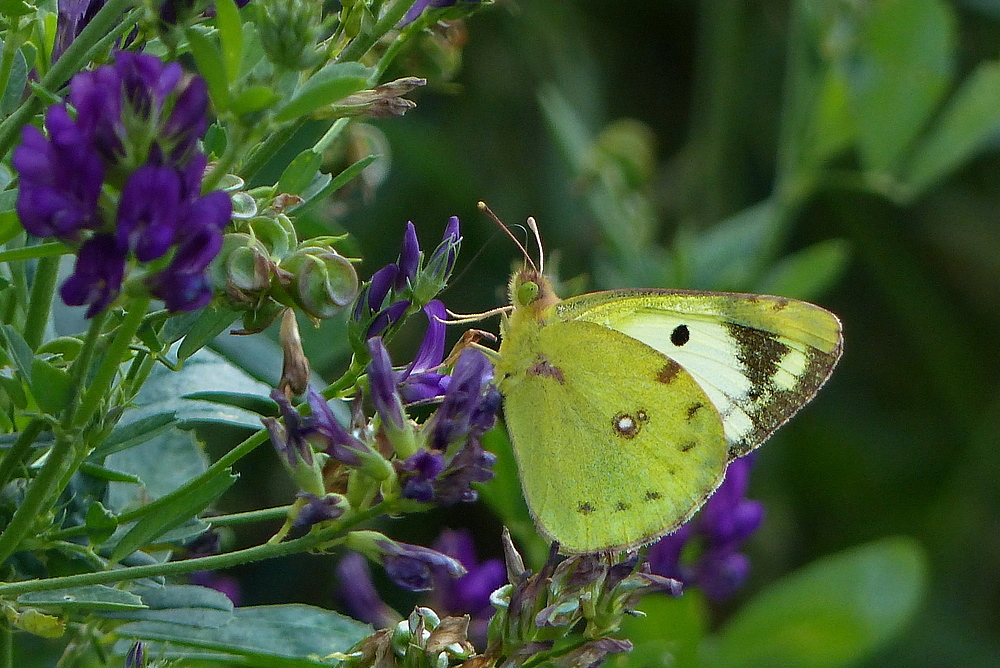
{"x": 534, "y": 301}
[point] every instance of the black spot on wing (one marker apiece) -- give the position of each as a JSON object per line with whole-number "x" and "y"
{"x": 652, "y": 495}
{"x": 621, "y": 506}
{"x": 685, "y": 447}
{"x": 680, "y": 335}
{"x": 693, "y": 409}
{"x": 542, "y": 367}
{"x": 585, "y": 508}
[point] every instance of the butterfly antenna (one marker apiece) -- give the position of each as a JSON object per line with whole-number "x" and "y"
{"x": 465, "y": 318}
{"x": 489, "y": 212}
{"x": 533, "y": 226}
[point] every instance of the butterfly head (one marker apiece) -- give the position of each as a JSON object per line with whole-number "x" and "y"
{"x": 530, "y": 289}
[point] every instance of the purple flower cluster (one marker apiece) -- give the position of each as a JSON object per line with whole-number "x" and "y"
{"x": 136, "y": 131}
{"x": 451, "y": 457}
{"x": 719, "y": 529}
{"x": 470, "y": 593}
{"x": 396, "y": 287}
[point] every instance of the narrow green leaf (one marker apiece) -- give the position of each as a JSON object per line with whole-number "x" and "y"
{"x": 300, "y": 172}
{"x": 894, "y": 80}
{"x": 339, "y": 181}
{"x": 831, "y": 613}
{"x": 969, "y": 121}
{"x": 130, "y": 434}
{"x": 334, "y": 82}
{"x": 171, "y": 511}
{"x": 46, "y": 249}
{"x": 101, "y": 522}
{"x": 17, "y": 350}
{"x": 210, "y": 66}
{"x": 250, "y": 402}
{"x": 212, "y": 322}
{"x": 274, "y": 636}
{"x": 50, "y": 386}
{"x": 227, "y": 18}
{"x": 92, "y": 597}
{"x": 17, "y": 80}
{"x": 110, "y": 475}
{"x": 186, "y": 606}
{"x": 809, "y": 273}
{"x": 254, "y": 98}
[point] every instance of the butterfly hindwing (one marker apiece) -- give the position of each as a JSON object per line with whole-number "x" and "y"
{"x": 758, "y": 358}
{"x": 616, "y": 443}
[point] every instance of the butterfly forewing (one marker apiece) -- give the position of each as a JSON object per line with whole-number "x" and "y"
{"x": 616, "y": 443}
{"x": 758, "y": 358}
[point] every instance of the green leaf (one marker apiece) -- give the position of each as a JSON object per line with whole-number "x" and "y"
{"x": 92, "y": 597}
{"x": 969, "y": 121}
{"x": 51, "y": 387}
{"x": 109, "y": 474}
{"x": 17, "y": 350}
{"x": 16, "y": 82}
{"x": 227, "y": 18}
{"x": 206, "y": 371}
{"x": 300, "y": 172}
{"x": 136, "y": 432}
{"x": 187, "y": 606}
{"x": 338, "y": 181}
{"x": 274, "y": 636}
{"x": 897, "y": 75}
{"x": 211, "y": 322}
{"x": 211, "y": 66}
{"x": 101, "y": 522}
{"x": 808, "y": 273}
{"x": 831, "y": 613}
{"x": 728, "y": 256}
{"x": 333, "y": 82}
{"x": 163, "y": 464}
{"x": 254, "y": 98}
{"x": 251, "y": 402}
{"x": 171, "y": 511}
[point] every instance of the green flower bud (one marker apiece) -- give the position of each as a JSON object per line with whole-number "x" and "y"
{"x": 321, "y": 281}
{"x": 277, "y": 233}
{"x": 289, "y": 32}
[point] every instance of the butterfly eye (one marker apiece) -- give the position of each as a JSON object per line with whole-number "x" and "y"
{"x": 527, "y": 293}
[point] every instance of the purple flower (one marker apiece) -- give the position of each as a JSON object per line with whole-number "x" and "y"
{"x": 470, "y": 402}
{"x": 147, "y": 225}
{"x": 383, "y": 386}
{"x": 409, "y": 259}
{"x": 412, "y": 566}
{"x": 419, "y": 473}
{"x": 73, "y": 16}
{"x": 60, "y": 179}
{"x": 316, "y": 509}
{"x": 420, "y": 5}
{"x": 387, "y": 317}
{"x": 419, "y": 381}
{"x": 470, "y": 593}
{"x": 98, "y": 275}
{"x": 136, "y": 657}
{"x": 724, "y": 522}
{"x": 358, "y": 593}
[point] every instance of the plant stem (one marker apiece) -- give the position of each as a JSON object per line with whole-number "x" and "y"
{"x": 361, "y": 44}
{"x": 17, "y": 453}
{"x": 310, "y": 541}
{"x": 43, "y": 289}
{"x": 97, "y": 391}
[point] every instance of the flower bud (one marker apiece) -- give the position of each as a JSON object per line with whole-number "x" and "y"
{"x": 322, "y": 281}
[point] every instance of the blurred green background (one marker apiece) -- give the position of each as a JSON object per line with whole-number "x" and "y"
{"x": 839, "y": 151}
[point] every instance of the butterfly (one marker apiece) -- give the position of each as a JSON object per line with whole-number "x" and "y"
{"x": 625, "y": 407}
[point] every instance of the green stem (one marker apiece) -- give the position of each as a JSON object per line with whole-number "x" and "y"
{"x": 266, "y": 150}
{"x": 361, "y": 44}
{"x": 39, "y": 496}
{"x": 43, "y": 289}
{"x": 310, "y": 541}
{"x": 97, "y": 391}
{"x": 235, "y": 142}
{"x": 19, "y": 451}
{"x": 262, "y": 515}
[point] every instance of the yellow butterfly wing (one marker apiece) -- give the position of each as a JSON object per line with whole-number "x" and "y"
{"x": 758, "y": 358}
{"x": 616, "y": 444}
